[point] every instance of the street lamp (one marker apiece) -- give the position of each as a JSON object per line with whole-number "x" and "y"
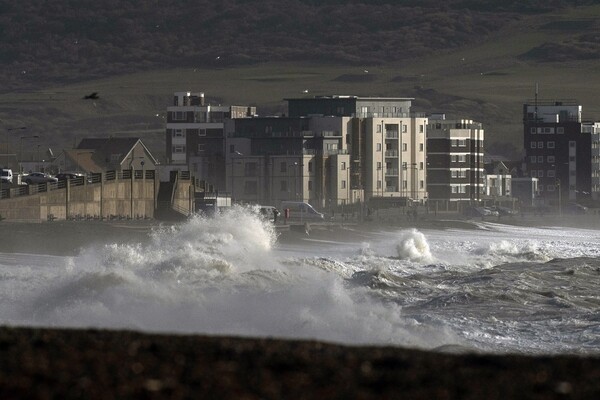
{"x": 382, "y": 155}
{"x": 21, "y": 149}
{"x": 295, "y": 180}
{"x": 237, "y": 153}
{"x": 8, "y": 130}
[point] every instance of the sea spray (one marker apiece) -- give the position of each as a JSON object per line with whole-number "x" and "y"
{"x": 413, "y": 246}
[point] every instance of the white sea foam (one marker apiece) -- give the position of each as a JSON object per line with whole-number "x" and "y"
{"x": 225, "y": 276}
{"x": 413, "y": 246}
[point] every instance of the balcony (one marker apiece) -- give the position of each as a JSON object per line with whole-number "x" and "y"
{"x": 391, "y": 153}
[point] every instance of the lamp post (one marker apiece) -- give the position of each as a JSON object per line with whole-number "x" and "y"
{"x": 21, "y": 150}
{"x": 382, "y": 155}
{"x": 559, "y": 198}
{"x": 295, "y": 180}
{"x": 8, "y": 130}
{"x": 237, "y": 153}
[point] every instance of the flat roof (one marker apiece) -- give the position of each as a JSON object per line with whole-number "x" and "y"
{"x": 337, "y": 97}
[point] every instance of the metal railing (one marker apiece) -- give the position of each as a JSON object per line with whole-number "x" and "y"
{"x": 95, "y": 178}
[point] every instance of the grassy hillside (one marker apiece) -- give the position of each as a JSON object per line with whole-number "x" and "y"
{"x": 486, "y": 79}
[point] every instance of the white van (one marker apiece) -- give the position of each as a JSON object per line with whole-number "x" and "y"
{"x": 301, "y": 211}
{"x": 6, "y": 175}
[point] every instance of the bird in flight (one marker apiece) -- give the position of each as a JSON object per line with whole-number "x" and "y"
{"x": 91, "y": 96}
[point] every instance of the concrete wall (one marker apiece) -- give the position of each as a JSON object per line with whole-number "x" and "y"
{"x": 105, "y": 199}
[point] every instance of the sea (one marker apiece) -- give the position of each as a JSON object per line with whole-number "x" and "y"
{"x": 490, "y": 287}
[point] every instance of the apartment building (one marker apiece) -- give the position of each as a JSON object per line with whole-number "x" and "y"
{"x": 195, "y": 136}
{"x": 386, "y": 142}
{"x": 593, "y": 129}
{"x": 273, "y": 159}
{"x": 558, "y": 149}
{"x": 455, "y": 169}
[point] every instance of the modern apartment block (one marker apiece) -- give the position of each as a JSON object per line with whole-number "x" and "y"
{"x": 593, "y": 129}
{"x": 386, "y": 142}
{"x": 274, "y": 159}
{"x": 195, "y": 138}
{"x": 558, "y": 150}
{"x": 455, "y": 164}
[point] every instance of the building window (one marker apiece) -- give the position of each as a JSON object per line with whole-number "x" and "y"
{"x": 283, "y": 167}
{"x": 404, "y": 128}
{"x": 201, "y": 132}
{"x": 250, "y": 169}
{"x": 378, "y": 184}
{"x": 532, "y": 159}
{"x": 572, "y": 143}
{"x": 404, "y": 184}
{"x": 421, "y": 184}
{"x": 560, "y": 130}
{"x": 200, "y": 148}
{"x": 404, "y": 147}
{"x": 343, "y": 184}
{"x": 178, "y": 133}
{"x": 550, "y": 173}
{"x": 421, "y": 146}
{"x": 310, "y": 186}
{"x": 541, "y": 173}
{"x": 550, "y": 188}
{"x": 540, "y": 159}
{"x": 178, "y": 116}
{"x": 534, "y": 145}
{"x": 421, "y": 128}
{"x": 179, "y": 149}
{"x": 421, "y": 165}
{"x": 551, "y": 144}
{"x": 378, "y": 146}
{"x": 378, "y": 165}
{"x": 342, "y": 166}
{"x": 550, "y": 159}
{"x": 250, "y": 187}
{"x": 378, "y": 128}
{"x": 532, "y": 131}
{"x": 534, "y": 173}
{"x": 540, "y": 145}
{"x": 462, "y": 143}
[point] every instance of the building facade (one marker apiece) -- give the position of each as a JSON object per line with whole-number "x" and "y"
{"x": 385, "y": 141}
{"x": 455, "y": 160}
{"x": 271, "y": 159}
{"x": 558, "y": 150}
{"x": 195, "y": 136}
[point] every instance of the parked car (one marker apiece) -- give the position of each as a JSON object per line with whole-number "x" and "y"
{"x": 478, "y": 212}
{"x": 504, "y": 211}
{"x": 38, "y": 177}
{"x": 574, "y": 208}
{"x": 6, "y": 175}
{"x": 69, "y": 175}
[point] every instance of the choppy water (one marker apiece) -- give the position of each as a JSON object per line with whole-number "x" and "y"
{"x": 495, "y": 289}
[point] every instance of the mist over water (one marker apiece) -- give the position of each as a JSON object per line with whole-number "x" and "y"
{"x": 495, "y": 289}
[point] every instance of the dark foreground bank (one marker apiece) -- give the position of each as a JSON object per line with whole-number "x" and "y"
{"x": 47, "y": 363}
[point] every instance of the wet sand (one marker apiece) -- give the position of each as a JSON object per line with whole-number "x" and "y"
{"x": 97, "y": 364}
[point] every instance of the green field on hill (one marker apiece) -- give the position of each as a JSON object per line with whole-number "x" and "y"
{"x": 487, "y": 82}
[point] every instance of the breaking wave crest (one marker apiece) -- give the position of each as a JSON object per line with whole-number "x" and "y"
{"x": 413, "y": 246}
